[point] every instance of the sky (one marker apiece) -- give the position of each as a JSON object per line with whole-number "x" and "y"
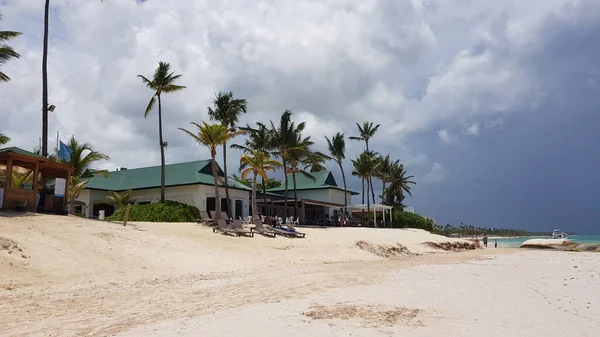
{"x": 493, "y": 106}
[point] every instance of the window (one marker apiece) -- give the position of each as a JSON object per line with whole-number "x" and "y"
{"x": 210, "y": 204}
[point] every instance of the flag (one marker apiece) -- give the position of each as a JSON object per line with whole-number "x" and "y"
{"x": 64, "y": 152}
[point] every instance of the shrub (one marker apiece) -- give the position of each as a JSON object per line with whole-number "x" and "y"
{"x": 411, "y": 220}
{"x": 170, "y": 211}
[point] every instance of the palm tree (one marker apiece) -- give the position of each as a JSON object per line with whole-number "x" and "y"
{"x": 399, "y": 185}
{"x": 259, "y": 140}
{"x": 314, "y": 161}
{"x": 366, "y": 131}
{"x": 4, "y": 139}
{"x": 298, "y": 152}
{"x": 163, "y": 81}
{"x": 227, "y": 111}
{"x": 365, "y": 166}
{"x": 82, "y": 157}
{"x": 213, "y": 136}
{"x": 6, "y": 51}
{"x": 258, "y": 164}
{"x": 19, "y": 179}
{"x": 337, "y": 150}
{"x": 384, "y": 171}
{"x": 119, "y": 199}
{"x": 283, "y": 139}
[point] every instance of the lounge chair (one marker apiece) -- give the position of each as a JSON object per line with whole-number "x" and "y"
{"x": 239, "y": 228}
{"x": 224, "y": 228}
{"x": 288, "y": 232}
{"x": 261, "y": 229}
{"x": 225, "y": 216}
{"x": 205, "y": 217}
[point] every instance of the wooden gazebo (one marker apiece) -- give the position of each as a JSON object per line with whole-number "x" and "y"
{"x": 43, "y": 169}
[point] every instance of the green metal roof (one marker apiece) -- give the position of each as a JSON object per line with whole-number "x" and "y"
{"x": 190, "y": 173}
{"x": 323, "y": 180}
{"x": 20, "y": 151}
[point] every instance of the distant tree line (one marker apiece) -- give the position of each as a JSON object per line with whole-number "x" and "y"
{"x": 470, "y": 230}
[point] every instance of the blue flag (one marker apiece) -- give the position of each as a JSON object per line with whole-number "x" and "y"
{"x": 64, "y": 152}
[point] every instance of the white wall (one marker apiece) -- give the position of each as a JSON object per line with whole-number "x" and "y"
{"x": 192, "y": 195}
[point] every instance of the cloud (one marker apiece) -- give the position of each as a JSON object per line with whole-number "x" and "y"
{"x": 445, "y": 136}
{"x": 436, "y": 174}
{"x": 472, "y": 130}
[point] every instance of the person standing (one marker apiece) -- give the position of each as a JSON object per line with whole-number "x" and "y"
{"x": 495, "y": 243}
{"x": 485, "y": 240}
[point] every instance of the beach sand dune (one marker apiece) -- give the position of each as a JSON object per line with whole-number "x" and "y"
{"x": 66, "y": 276}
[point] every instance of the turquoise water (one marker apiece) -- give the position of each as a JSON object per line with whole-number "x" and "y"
{"x": 516, "y": 242}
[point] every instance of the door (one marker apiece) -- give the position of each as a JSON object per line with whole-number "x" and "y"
{"x": 238, "y": 208}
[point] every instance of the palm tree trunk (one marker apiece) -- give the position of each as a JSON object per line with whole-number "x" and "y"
{"x": 345, "y": 191}
{"x": 162, "y": 153}
{"x": 215, "y": 170}
{"x": 382, "y": 191}
{"x": 368, "y": 200}
{"x": 372, "y": 189}
{"x": 295, "y": 196}
{"x": 255, "y": 216}
{"x": 362, "y": 182}
{"x": 285, "y": 197}
{"x": 264, "y": 191}
{"x": 45, "y": 82}
{"x": 226, "y": 182}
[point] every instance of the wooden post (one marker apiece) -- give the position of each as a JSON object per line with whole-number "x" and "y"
{"x": 7, "y": 181}
{"x": 66, "y": 197}
{"x": 126, "y": 215}
{"x": 36, "y": 173}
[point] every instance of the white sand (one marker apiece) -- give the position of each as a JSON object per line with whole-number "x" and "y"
{"x": 82, "y": 277}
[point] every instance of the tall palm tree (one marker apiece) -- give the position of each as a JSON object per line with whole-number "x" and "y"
{"x": 365, "y": 166}
{"x": 163, "y": 81}
{"x": 384, "y": 171}
{"x": 4, "y": 139}
{"x": 259, "y": 140}
{"x": 227, "y": 111}
{"x": 258, "y": 164}
{"x": 213, "y": 136}
{"x": 399, "y": 186}
{"x": 314, "y": 161}
{"x": 6, "y": 51}
{"x": 337, "y": 150}
{"x": 283, "y": 139}
{"x": 366, "y": 131}
{"x": 298, "y": 152}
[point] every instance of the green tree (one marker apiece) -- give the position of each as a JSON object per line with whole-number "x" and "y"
{"x": 337, "y": 150}
{"x": 284, "y": 138}
{"x": 298, "y": 152}
{"x": 6, "y": 51}
{"x": 384, "y": 171}
{"x": 366, "y": 131}
{"x": 400, "y": 184}
{"x": 119, "y": 200}
{"x": 365, "y": 165}
{"x": 163, "y": 81}
{"x": 227, "y": 111}
{"x": 314, "y": 161}
{"x": 213, "y": 136}
{"x": 4, "y": 139}
{"x": 257, "y": 164}
{"x": 259, "y": 140}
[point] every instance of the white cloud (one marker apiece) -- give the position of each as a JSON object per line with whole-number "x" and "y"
{"x": 445, "y": 136}
{"x": 472, "y": 130}
{"x": 494, "y": 123}
{"x": 437, "y": 174}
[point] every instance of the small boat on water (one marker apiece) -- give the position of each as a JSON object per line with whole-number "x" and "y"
{"x": 558, "y": 239}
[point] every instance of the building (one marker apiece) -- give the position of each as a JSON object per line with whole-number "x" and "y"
{"x": 190, "y": 183}
{"x": 318, "y": 199}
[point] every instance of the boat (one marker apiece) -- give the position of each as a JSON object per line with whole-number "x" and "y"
{"x": 558, "y": 239}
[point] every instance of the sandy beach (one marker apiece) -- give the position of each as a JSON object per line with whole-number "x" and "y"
{"x": 66, "y": 276}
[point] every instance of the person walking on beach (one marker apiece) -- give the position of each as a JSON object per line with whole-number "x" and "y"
{"x": 485, "y": 240}
{"x": 495, "y": 243}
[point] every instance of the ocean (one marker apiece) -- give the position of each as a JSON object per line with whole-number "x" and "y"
{"x": 516, "y": 242}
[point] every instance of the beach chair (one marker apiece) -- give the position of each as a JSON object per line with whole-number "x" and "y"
{"x": 224, "y": 216}
{"x": 288, "y": 232}
{"x": 261, "y": 229}
{"x": 239, "y": 228}
{"x": 224, "y": 228}
{"x": 205, "y": 218}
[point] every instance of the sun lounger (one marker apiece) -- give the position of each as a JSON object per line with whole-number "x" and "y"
{"x": 205, "y": 217}
{"x": 239, "y": 228}
{"x": 261, "y": 229}
{"x": 288, "y": 232}
{"x": 224, "y": 228}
